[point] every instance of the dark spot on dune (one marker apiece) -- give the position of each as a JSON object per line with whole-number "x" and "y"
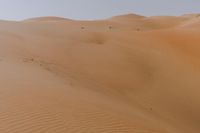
{"x": 28, "y": 60}
{"x": 198, "y": 15}
{"x": 138, "y": 29}
{"x": 97, "y": 38}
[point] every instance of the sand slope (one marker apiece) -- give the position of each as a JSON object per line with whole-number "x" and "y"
{"x": 126, "y": 74}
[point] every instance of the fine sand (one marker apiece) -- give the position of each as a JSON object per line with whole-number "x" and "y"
{"x": 125, "y": 74}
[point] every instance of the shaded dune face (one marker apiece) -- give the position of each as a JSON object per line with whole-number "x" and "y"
{"x": 126, "y": 74}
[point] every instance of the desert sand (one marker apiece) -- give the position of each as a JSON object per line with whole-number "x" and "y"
{"x": 125, "y": 74}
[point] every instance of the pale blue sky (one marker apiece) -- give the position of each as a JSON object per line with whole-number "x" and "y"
{"x": 94, "y": 9}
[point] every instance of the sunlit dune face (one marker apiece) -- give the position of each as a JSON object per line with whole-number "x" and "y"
{"x": 126, "y": 74}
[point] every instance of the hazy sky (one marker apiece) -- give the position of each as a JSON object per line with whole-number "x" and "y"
{"x": 94, "y": 9}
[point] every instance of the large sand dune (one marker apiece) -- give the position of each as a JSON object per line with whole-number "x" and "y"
{"x": 126, "y": 74}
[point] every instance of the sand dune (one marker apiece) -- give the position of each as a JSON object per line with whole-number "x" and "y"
{"x": 50, "y": 18}
{"x": 126, "y": 74}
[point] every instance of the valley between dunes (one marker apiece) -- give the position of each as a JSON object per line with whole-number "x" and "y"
{"x": 125, "y": 74}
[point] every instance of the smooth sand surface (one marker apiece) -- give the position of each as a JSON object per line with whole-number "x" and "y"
{"x": 126, "y": 74}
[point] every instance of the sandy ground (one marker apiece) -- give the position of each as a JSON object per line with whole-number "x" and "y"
{"x": 126, "y": 74}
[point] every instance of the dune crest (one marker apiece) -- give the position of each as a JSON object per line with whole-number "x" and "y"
{"x": 49, "y": 18}
{"x": 128, "y": 16}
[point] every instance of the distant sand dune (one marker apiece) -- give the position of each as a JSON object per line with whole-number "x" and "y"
{"x": 47, "y": 19}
